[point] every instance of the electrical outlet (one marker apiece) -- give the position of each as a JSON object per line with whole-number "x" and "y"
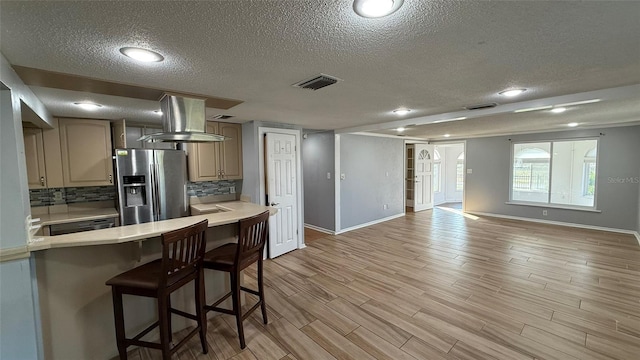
{"x": 232, "y": 189}
{"x": 386, "y": 174}
{"x": 544, "y": 212}
{"x": 329, "y": 175}
{"x": 385, "y": 207}
{"x": 469, "y": 171}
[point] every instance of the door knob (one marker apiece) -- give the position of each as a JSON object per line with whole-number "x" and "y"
{"x": 274, "y": 203}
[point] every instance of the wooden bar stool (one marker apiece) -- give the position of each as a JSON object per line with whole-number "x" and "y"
{"x": 182, "y": 254}
{"x": 233, "y": 258}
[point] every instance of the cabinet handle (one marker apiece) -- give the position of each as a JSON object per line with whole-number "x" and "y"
{"x": 222, "y": 171}
{"x": 110, "y": 179}
{"x": 42, "y": 180}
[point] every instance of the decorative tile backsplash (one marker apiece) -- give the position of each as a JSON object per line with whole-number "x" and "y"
{"x": 206, "y": 188}
{"x": 71, "y": 195}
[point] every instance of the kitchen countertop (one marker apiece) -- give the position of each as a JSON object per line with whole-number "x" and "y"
{"x": 70, "y": 217}
{"x": 232, "y": 212}
{"x": 198, "y": 209}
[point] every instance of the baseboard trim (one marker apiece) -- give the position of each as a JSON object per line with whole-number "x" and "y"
{"x": 369, "y": 223}
{"x": 322, "y": 230}
{"x": 559, "y": 223}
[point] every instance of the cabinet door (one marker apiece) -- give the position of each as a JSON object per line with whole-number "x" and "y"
{"x": 86, "y": 152}
{"x": 119, "y": 134}
{"x": 203, "y": 158}
{"x": 231, "y": 151}
{"x": 34, "y": 154}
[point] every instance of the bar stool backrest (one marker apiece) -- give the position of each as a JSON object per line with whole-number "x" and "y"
{"x": 182, "y": 252}
{"x": 253, "y": 233}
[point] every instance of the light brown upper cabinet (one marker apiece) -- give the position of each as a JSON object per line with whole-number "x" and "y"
{"x": 217, "y": 160}
{"x": 42, "y": 156}
{"x": 86, "y": 152}
{"x": 34, "y": 154}
{"x": 231, "y": 151}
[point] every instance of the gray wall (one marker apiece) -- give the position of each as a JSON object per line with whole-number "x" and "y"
{"x": 366, "y": 161}
{"x": 20, "y": 321}
{"x": 488, "y": 187}
{"x": 318, "y": 159}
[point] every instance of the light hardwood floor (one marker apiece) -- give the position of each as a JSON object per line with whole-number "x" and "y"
{"x": 437, "y": 285}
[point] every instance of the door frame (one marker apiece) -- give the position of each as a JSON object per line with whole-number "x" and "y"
{"x": 262, "y": 175}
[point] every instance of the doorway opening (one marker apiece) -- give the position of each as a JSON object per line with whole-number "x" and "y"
{"x": 449, "y": 175}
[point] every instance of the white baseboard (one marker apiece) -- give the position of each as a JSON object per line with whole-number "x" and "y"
{"x": 369, "y": 223}
{"x": 560, "y": 223}
{"x": 322, "y": 230}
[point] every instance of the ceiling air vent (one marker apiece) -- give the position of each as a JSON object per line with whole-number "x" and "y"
{"x": 481, "y": 106}
{"x": 221, "y": 117}
{"x": 317, "y": 82}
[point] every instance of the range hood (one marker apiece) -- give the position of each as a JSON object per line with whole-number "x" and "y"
{"x": 183, "y": 120}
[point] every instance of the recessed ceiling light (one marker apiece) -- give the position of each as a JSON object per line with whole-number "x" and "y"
{"x": 400, "y": 129}
{"x": 533, "y": 109}
{"x": 580, "y": 102}
{"x": 401, "y": 111}
{"x": 512, "y": 92}
{"x": 142, "y": 55}
{"x": 573, "y": 124}
{"x": 447, "y": 135}
{"x": 447, "y": 120}
{"x": 88, "y": 105}
{"x": 558, "y": 110}
{"x": 376, "y": 8}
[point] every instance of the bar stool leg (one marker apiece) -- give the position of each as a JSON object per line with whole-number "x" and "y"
{"x": 118, "y": 315}
{"x": 200, "y": 311}
{"x": 263, "y": 305}
{"x": 163, "y": 327}
{"x": 169, "y": 318}
{"x": 237, "y": 307}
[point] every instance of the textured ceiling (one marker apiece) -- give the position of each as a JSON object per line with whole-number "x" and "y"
{"x": 431, "y": 56}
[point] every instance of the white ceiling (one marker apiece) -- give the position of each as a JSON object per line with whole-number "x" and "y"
{"x": 431, "y": 56}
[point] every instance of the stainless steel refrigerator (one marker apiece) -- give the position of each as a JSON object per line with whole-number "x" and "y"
{"x": 152, "y": 185}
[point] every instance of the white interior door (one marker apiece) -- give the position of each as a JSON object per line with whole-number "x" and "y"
{"x": 280, "y": 153}
{"x": 423, "y": 182}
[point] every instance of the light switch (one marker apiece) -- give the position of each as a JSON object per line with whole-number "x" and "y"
{"x": 343, "y": 176}
{"x": 469, "y": 171}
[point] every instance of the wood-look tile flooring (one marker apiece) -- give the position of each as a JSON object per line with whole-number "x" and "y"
{"x": 437, "y": 285}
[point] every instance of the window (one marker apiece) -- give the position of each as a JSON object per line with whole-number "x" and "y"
{"x": 460, "y": 172}
{"x": 555, "y": 172}
{"x": 436, "y": 171}
{"x": 589, "y": 173}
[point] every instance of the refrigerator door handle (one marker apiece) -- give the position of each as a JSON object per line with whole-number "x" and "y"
{"x": 154, "y": 190}
{"x": 157, "y": 191}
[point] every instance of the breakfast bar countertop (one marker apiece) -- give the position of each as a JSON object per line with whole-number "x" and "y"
{"x": 230, "y": 212}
